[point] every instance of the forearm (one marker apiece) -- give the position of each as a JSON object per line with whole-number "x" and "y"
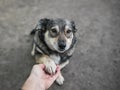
{"x": 32, "y": 83}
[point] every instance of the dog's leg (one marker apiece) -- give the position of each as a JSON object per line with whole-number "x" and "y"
{"x": 33, "y": 50}
{"x": 64, "y": 64}
{"x": 60, "y": 79}
{"x": 50, "y": 65}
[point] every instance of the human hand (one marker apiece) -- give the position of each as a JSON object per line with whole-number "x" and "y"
{"x": 41, "y": 78}
{"x": 46, "y": 79}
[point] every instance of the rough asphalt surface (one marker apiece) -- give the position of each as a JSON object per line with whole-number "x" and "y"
{"x": 95, "y": 64}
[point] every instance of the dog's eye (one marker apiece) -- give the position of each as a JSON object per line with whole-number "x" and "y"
{"x": 68, "y": 31}
{"x": 54, "y": 30}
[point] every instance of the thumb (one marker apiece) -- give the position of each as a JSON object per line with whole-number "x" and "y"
{"x": 42, "y": 66}
{"x": 57, "y": 73}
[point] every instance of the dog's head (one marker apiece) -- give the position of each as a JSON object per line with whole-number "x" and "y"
{"x": 58, "y": 34}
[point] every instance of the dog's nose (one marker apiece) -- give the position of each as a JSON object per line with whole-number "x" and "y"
{"x": 62, "y": 45}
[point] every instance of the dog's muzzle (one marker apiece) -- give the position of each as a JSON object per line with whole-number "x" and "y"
{"x": 61, "y": 45}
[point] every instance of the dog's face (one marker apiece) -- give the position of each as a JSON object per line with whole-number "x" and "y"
{"x": 58, "y": 33}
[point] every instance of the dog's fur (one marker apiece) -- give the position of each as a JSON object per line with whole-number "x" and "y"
{"x": 54, "y": 43}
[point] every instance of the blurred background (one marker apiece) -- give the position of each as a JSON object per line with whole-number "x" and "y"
{"x": 95, "y": 64}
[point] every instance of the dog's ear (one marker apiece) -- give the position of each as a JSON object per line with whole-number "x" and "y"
{"x": 41, "y": 26}
{"x": 73, "y": 26}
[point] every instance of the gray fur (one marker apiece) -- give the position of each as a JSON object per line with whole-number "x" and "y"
{"x": 40, "y": 43}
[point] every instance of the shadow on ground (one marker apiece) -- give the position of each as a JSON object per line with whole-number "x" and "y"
{"x": 96, "y": 61}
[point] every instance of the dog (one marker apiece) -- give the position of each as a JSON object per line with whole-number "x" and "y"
{"x": 54, "y": 42}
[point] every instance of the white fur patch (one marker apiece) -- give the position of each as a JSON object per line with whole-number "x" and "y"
{"x": 67, "y": 27}
{"x": 50, "y": 67}
{"x": 60, "y": 79}
{"x": 39, "y": 50}
{"x": 55, "y": 58}
{"x": 69, "y": 42}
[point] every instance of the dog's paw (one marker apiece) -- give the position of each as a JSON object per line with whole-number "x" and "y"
{"x": 32, "y": 52}
{"x": 50, "y": 67}
{"x": 60, "y": 80}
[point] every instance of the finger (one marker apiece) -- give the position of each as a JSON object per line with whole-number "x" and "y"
{"x": 56, "y": 75}
{"x": 58, "y": 68}
{"x": 42, "y": 66}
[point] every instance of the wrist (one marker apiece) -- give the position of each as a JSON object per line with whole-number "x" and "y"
{"x": 33, "y": 83}
{"x": 39, "y": 83}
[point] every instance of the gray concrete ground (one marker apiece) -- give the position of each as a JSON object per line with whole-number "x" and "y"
{"x": 95, "y": 64}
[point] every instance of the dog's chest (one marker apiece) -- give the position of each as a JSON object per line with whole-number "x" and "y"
{"x": 56, "y": 58}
